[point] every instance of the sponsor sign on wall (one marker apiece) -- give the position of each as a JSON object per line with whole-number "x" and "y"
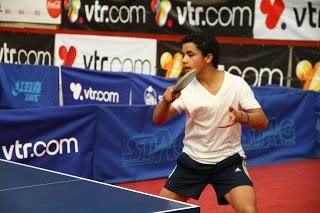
{"x": 92, "y": 87}
{"x": 169, "y": 59}
{"x": 224, "y": 18}
{"x": 26, "y": 48}
{"x": 306, "y": 68}
{"x": 257, "y": 64}
{"x": 106, "y": 53}
{"x": 294, "y": 19}
{"x": 260, "y": 65}
{"x": 33, "y": 11}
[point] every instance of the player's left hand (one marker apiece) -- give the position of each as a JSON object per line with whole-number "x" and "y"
{"x": 234, "y": 117}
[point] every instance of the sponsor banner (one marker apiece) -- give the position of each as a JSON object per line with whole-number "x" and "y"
{"x": 60, "y": 139}
{"x": 288, "y": 20}
{"x": 148, "y": 90}
{"x": 260, "y": 65}
{"x": 81, "y": 86}
{"x": 306, "y": 68}
{"x": 28, "y": 86}
{"x": 106, "y": 53}
{"x": 33, "y": 11}
{"x": 222, "y": 18}
{"x": 169, "y": 59}
{"x": 26, "y": 48}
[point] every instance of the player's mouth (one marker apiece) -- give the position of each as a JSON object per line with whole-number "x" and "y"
{"x": 187, "y": 69}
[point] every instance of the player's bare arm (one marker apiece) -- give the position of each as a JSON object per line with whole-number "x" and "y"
{"x": 253, "y": 118}
{"x": 164, "y": 111}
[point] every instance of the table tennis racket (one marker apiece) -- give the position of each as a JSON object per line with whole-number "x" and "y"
{"x": 184, "y": 81}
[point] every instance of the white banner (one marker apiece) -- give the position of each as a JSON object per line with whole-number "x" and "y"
{"x": 287, "y": 19}
{"x": 32, "y": 11}
{"x": 106, "y": 53}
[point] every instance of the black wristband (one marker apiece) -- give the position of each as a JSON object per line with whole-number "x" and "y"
{"x": 248, "y": 118}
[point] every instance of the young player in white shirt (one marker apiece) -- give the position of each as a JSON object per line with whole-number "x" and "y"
{"x": 216, "y": 103}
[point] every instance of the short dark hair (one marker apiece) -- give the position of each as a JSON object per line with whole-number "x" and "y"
{"x": 206, "y": 44}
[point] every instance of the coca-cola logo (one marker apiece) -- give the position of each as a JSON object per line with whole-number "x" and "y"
{"x": 54, "y": 8}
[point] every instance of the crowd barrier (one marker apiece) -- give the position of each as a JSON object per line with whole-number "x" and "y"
{"x": 119, "y": 143}
{"x": 104, "y": 131}
{"x": 25, "y": 86}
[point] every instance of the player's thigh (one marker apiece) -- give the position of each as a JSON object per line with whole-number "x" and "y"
{"x": 243, "y": 199}
{"x": 172, "y": 195}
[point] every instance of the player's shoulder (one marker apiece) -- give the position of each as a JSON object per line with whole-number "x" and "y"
{"x": 235, "y": 79}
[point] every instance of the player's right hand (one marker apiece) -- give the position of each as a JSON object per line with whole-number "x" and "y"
{"x": 169, "y": 96}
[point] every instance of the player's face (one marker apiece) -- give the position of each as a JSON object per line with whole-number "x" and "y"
{"x": 192, "y": 57}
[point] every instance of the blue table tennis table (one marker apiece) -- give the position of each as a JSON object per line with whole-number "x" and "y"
{"x": 26, "y": 188}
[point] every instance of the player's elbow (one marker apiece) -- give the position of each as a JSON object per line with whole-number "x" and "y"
{"x": 158, "y": 122}
{"x": 264, "y": 124}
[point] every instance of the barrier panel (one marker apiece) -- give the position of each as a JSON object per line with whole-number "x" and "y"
{"x": 120, "y": 143}
{"x": 80, "y": 86}
{"x": 26, "y": 86}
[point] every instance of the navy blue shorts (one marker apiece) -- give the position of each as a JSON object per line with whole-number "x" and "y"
{"x": 190, "y": 177}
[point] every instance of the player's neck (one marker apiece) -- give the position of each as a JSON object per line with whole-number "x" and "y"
{"x": 210, "y": 76}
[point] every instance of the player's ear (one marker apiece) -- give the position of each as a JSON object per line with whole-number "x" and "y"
{"x": 209, "y": 58}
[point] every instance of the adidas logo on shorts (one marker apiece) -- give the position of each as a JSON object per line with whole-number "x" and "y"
{"x": 237, "y": 170}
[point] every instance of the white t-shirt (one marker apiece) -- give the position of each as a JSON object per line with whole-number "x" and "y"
{"x": 204, "y": 141}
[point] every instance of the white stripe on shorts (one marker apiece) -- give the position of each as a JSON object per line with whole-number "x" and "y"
{"x": 172, "y": 171}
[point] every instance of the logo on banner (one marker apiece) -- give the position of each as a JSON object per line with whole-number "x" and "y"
{"x": 72, "y": 7}
{"x": 67, "y": 55}
{"x": 40, "y": 148}
{"x": 92, "y": 94}
{"x": 98, "y": 61}
{"x": 102, "y": 13}
{"x": 309, "y": 75}
{"x": 30, "y": 89}
{"x": 273, "y": 12}
{"x": 22, "y": 56}
{"x": 54, "y": 8}
{"x": 150, "y": 96}
{"x": 284, "y": 129}
{"x": 171, "y": 64}
{"x": 162, "y": 9}
{"x": 214, "y": 16}
{"x": 271, "y": 74}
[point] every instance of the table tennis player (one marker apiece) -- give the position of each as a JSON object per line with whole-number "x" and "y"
{"x": 216, "y": 104}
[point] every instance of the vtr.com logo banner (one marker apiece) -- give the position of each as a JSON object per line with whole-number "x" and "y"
{"x": 91, "y": 87}
{"x": 225, "y": 17}
{"x": 26, "y": 48}
{"x": 106, "y": 53}
{"x": 294, "y": 19}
